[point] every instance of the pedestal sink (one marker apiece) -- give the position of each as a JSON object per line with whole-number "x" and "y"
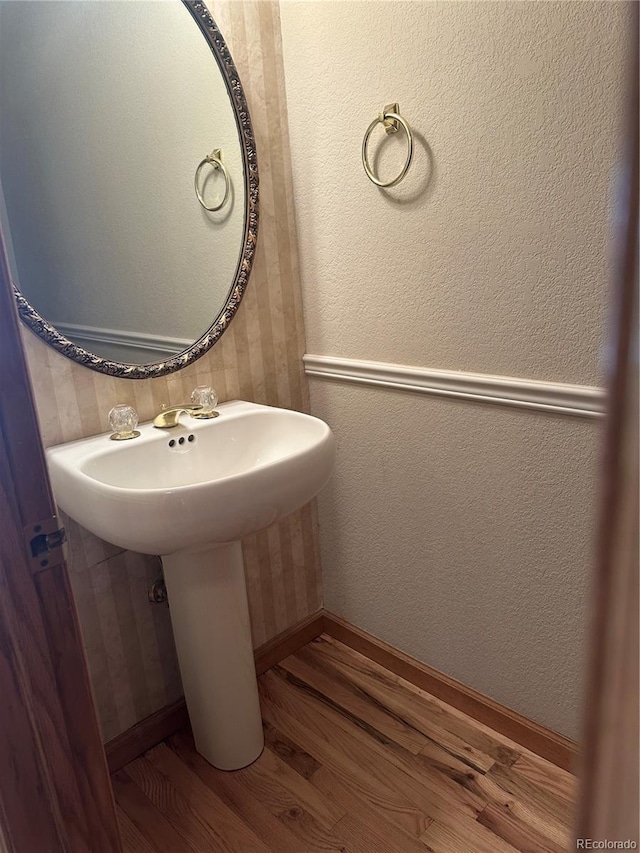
{"x": 191, "y": 494}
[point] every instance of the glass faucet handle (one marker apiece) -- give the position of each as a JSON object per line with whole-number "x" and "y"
{"x": 123, "y": 420}
{"x": 206, "y": 397}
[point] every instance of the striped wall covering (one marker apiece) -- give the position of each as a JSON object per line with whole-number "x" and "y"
{"x": 129, "y": 642}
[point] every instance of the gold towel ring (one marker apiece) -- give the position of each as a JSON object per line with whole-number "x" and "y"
{"x": 391, "y": 118}
{"x": 215, "y": 160}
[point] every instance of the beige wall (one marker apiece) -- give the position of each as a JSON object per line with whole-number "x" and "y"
{"x": 129, "y": 642}
{"x": 460, "y": 532}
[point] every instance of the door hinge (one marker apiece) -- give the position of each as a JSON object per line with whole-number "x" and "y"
{"x": 45, "y": 544}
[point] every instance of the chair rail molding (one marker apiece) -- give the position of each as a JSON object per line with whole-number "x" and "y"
{"x": 132, "y": 340}
{"x": 576, "y": 400}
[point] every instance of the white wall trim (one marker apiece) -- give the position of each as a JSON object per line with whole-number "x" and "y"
{"x": 132, "y": 340}
{"x": 578, "y": 400}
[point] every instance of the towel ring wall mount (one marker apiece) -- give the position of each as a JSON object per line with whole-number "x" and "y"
{"x": 215, "y": 161}
{"x": 392, "y": 120}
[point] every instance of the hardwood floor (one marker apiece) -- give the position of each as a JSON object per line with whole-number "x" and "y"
{"x": 356, "y": 760}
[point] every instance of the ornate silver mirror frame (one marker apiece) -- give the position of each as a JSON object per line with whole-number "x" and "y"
{"x": 52, "y": 336}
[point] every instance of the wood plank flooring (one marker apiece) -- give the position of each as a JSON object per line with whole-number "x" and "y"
{"x": 357, "y": 760}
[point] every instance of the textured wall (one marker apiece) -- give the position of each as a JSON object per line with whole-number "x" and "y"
{"x": 519, "y": 105}
{"x": 458, "y": 532}
{"x": 462, "y": 533}
{"x": 129, "y": 643}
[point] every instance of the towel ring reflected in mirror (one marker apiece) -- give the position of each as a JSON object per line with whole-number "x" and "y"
{"x": 215, "y": 161}
{"x": 392, "y": 120}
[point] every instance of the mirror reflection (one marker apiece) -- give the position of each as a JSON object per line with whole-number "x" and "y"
{"x": 108, "y": 108}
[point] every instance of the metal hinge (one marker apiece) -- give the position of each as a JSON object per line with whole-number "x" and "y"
{"x": 158, "y": 592}
{"x": 45, "y": 544}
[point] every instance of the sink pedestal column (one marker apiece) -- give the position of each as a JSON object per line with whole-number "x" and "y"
{"x": 210, "y": 616}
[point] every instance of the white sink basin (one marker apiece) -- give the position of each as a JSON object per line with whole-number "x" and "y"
{"x": 190, "y": 494}
{"x": 232, "y": 476}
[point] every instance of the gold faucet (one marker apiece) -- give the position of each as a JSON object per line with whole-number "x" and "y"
{"x": 170, "y": 415}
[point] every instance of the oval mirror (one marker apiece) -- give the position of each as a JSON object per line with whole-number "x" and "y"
{"x": 128, "y": 179}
